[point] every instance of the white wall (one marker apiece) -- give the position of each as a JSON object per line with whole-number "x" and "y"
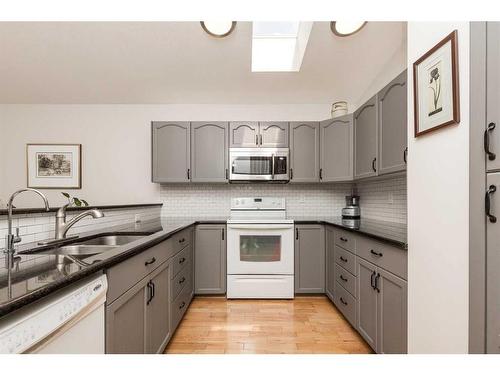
{"x": 438, "y": 232}
{"x": 115, "y": 140}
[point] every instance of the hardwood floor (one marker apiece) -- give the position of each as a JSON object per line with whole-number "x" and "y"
{"x": 214, "y": 325}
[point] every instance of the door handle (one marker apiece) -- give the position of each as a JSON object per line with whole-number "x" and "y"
{"x": 372, "y": 282}
{"x": 182, "y": 305}
{"x": 257, "y": 139}
{"x": 153, "y": 289}
{"x": 376, "y": 283}
{"x": 296, "y": 233}
{"x": 189, "y": 174}
{"x": 343, "y": 302}
{"x": 272, "y": 165}
{"x": 291, "y": 174}
{"x": 182, "y": 260}
{"x": 223, "y": 234}
{"x": 373, "y": 164}
{"x": 490, "y": 128}
{"x": 343, "y": 259}
{"x": 260, "y": 136}
{"x": 150, "y": 293}
{"x": 321, "y": 173}
{"x": 487, "y": 203}
{"x": 405, "y": 155}
{"x": 182, "y": 280}
{"x": 227, "y": 174}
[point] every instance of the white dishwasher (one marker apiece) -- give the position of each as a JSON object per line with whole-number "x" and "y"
{"x": 69, "y": 322}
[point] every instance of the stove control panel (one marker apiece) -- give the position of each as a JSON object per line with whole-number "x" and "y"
{"x": 258, "y": 203}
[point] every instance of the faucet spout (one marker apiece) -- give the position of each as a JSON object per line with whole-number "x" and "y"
{"x": 62, "y": 226}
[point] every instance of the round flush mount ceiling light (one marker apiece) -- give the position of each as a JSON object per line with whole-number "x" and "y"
{"x": 346, "y": 28}
{"x": 218, "y": 29}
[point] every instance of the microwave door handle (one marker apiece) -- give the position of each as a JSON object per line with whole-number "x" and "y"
{"x": 272, "y": 167}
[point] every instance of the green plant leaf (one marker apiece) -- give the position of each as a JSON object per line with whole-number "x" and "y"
{"x": 77, "y": 202}
{"x": 84, "y": 202}
{"x": 65, "y": 194}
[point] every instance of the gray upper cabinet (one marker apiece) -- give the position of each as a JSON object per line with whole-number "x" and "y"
{"x": 304, "y": 152}
{"x": 365, "y": 139}
{"x": 309, "y": 259}
{"x": 336, "y": 150}
{"x": 273, "y": 134}
{"x": 367, "y": 302}
{"x": 392, "y": 111}
{"x": 126, "y": 322}
{"x": 244, "y": 134}
{"x": 330, "y": 263}
{"x": 209, "y": 151}
{"x": 392, "y": 314}
{"x": 210, "y": 259}
{"x": 493, "y": 95}
{"x": 170, "y": 151}
{"x": 158, "y": 310}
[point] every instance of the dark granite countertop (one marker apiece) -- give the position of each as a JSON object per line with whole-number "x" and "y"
{"x": 38, "y": 210}
{"x": 386, "y": 231}
{"x": 37, "y": 274}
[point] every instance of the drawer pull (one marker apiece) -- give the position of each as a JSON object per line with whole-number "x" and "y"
{"x": 182, "y": 240}
{"x": 375, "y": 253}
{"x": 151, "y": 261}
{"x": 182, "y": 280}
{"x": 182, "y": 305}
{"x": 182, "y": 260}
{"x": 343, "y": 259}
{"x": 343, "y": 302}
{"x": 343, "y": 239}
{"x": 343, "y": 278}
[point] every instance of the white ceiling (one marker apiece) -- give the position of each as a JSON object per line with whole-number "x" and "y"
{"x": 176, "y": 62}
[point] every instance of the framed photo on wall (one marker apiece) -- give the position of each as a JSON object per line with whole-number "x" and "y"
{"x": 435, "y": 85}
{"x": 54, "y": 166}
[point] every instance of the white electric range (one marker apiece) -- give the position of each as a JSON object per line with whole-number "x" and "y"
{"x": 260, "y": 249}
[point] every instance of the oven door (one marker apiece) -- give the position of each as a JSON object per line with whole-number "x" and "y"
{"x": 260, "y": 249}
{"x": 259, "y": 165}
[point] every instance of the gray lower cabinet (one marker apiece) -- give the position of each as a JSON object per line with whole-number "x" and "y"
{"x": 244, "y": 134}
{"x": 367, "y": 295}
{"x": 309, "y": 258}
{"x": 209, "y": 151}
{"x": 210, "y": 259}
{"x": 330, "y": 262}
{"x": 170, "y": 151}
{"x": 493, "y": 97}
{"x": 392, "y": 112}
{"x": 365, "y": 139}
{"x": 392, "y": 313}
{"x": 336, "y": 149}
{"x": 304, "y": 152}
{"x": 273, "y": 134}
{"x": 126, "y": 322}
{"x": 158, "y": 309}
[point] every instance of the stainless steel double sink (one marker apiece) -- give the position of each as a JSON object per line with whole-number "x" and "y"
{"x": 76, "y": 252}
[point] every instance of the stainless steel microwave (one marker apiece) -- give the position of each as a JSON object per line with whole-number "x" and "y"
{"x": 259, "y": 164}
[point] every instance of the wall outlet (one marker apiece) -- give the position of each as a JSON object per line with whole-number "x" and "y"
{"x": 137, "y": 218}
{"x": 390, "y": 197}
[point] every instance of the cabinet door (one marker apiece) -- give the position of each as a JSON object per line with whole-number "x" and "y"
{"x": 392, "y": 314}
{"x": 273, "y": 134}
{"x": 210, "y": 259}
{"x": 209, "y": 151}
{"x": 170, "y": 148}
{"x": 330, "y": 262}
{"x": 336, "y": 150}
{"x": 365, "y": 139}
{"x": 492, "y": 267}
{"x": 304, "y": 152}
{"x": 158, "y": 309}
{"x": 367, "y": 302}
{"x": 126, "y": 322}
{"x": 493, "y": 92}
{"x": 309, "y": 259}
{"x": 393, "y": 123}
{"x": 244, "y": 134}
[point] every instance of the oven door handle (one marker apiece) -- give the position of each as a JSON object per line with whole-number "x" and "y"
{"x": 268, "y": 227}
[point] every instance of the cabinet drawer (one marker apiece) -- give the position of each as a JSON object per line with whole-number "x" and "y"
{"x": 181, "y": 260}
{"x": 346, "y": 240}
{"x": 182, "y": 239}
{"x": 180, "y": 305}
{"x": 346, "y": 279}
{"x": 345, "y": 259}
{"x": 129, "y": 272}
{"x": 183, "y": 278}
{"x": 346, "y": 303}
{"x": 385, "y": 256}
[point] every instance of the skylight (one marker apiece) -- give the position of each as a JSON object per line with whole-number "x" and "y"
{"x": 279, "y": 46}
